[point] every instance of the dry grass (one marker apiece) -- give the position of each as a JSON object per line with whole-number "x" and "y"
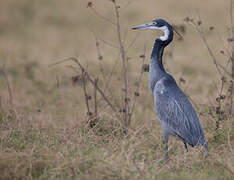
{"x": 44, "y": 132}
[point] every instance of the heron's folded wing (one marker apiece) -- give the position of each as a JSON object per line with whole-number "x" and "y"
{"x": 174, "y": 109}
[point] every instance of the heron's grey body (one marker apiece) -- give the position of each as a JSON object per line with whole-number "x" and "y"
{"x": 175, "y": 113}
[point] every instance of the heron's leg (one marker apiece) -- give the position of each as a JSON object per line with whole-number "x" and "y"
{"x": 166, "y": 147}
{"x": 166, "y": 152}
{"x": 205, "y": 150}
{"x": 185, "y": 147}
{"x": 205, "y": 147}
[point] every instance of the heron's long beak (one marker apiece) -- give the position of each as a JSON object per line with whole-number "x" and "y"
{"x": 144, "y": 26}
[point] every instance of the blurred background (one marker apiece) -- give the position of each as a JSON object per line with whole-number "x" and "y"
{"x": 35, "y": 34}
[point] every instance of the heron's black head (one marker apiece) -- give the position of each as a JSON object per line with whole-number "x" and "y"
{"x": 162, "y": 25}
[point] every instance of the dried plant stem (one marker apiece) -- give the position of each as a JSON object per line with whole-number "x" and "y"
{"x": 95, "y": 98}
{"x": 223, "y": 71}
{"x": 111, "y": 73}
{"x": 8, "y": 86}
{"x": 124, "y": 66}
{"x": 219, "y": 107}
{"x": 232, "y": 66}
{"x": 137, "y": 86}
{"x": 102, "y": 17}
{"x": 232, "y": 86}
{"x": 203, "y": 37}
{"x": 85, "y": 93}
{"x": 90, "y": 79}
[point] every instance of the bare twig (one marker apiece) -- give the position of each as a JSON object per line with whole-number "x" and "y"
{"x": 112, "y": 72}
{"x": 132, "y": 42}
{"x": 126, "y": 5}
{"x": 94, "y": 120}
{"x": 124, "y": 66}
{"x": 202, "y": 35}
{"x": 101, "y": 16}
{"x": 89, "y": 78}
{"x": 199, "y": 28}
{"x": 85, "y": 93}
{"x": 136, "y": 93}
{"x": 231, "y": 17}
{"x": 219, "y": 99}
{"x": 222, "y": 70}
{"x": 57, "y": 82}
{"x": 2, "y": 71}
{"x": 95, "y": 97}
{"x": 99, "y": 55}
{"x": 232, "y": 66}
{"x": 108, "y": 43}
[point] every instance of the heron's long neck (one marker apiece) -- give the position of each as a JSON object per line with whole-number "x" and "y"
{"x": 156, "y": 55}
{"x": 156, "y": 68}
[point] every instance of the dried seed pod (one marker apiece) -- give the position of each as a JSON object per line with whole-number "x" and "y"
{"x": 137, "y": 94}
{"x": 224, "y": 79}
{"x": 182, "y": 80}
{"x": 89, "y": 113}
{"x": 78, "y": 79}
{"x": 127, "y": 99}
{"x": 187, "y": 19}
{"x": 230, "y": 39}
{"x": 145, "y": 68}
{"x": 100, "y": 57}
{"x": 90, "y": 4}
{"x": 123, "y": 110}
{"x": 222, "y": 96}
{"x": 88, "y": 97}
{"x": 211, "y": 28}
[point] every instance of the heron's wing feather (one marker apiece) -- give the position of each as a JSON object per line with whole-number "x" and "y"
{"x": 174, "y": 109}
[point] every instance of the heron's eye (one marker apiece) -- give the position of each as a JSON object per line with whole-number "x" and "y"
{"x": 154, "y": 23}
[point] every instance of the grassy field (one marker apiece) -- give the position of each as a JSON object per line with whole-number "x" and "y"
{"x": 45, "y": 131}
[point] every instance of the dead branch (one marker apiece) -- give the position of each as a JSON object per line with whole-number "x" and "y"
{"x": 124, "y": 66}
{"x": 101, "y": 16}
{"x": 2, "y": 71}
{"x": 89, "y": 78}
{"x": 203, "y": 37}
{"x": 136, "y": 93}
{"x": 95, "y": 97}
{"x": 219, "y": 99}
{"x": 85, "y": 93}
{"x": 232, "y": 66}
{"x": 111, "y": 73}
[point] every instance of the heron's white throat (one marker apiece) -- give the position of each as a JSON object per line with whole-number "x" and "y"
{"x": 165, "y": 31}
